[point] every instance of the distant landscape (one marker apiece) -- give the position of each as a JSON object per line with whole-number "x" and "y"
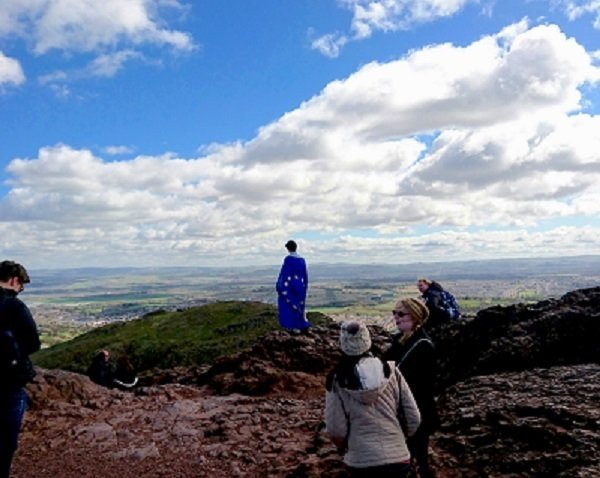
{"x": 68, "y": 302}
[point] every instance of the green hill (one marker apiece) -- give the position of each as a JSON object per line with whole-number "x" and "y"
{"x": 197, "y": 335}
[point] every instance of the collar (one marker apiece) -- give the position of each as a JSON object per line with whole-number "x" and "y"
{"x": 8, "y": 292}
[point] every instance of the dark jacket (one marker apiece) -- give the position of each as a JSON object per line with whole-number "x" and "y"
{"x": 416, "y": 360}
{"x": 101, "y": 371}
{"x": 16, "y": 319}
{"x": 434, "y": 302}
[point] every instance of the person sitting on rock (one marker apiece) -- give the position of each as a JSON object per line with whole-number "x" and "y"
{"x": 414, "y": 354}
{"x": 100, "y": 371}
{"x": 124, "y": 376}
{"x": 442, "y": 304}
{"x": 369, "y": 409}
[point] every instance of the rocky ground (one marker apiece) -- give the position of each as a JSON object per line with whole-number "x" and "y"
{"x": 258, "y": 414}
{"x": 78, "y": 429}
{"x": 538, "y": 423}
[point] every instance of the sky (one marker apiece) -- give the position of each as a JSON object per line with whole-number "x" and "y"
{"x": 208, "y": 133}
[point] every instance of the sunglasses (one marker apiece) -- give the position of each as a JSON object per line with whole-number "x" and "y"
{"x": 400, "y": 313}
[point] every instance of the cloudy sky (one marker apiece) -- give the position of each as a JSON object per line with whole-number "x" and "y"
{"x": 171, "y": 132}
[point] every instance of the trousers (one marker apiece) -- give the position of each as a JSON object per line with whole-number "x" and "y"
{"x": 12, "y": 409}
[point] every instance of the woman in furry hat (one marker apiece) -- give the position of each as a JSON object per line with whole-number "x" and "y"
{"x": 367, "y": 405}
{"x": 413, "y": 352}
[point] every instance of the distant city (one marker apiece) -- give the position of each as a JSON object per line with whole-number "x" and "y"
{"x": 68, "y": 302}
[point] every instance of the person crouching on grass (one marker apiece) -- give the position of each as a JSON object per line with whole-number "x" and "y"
{"x": 367, "y": 402}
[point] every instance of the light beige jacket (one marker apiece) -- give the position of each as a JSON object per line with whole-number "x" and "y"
{"x": 369, "y": 420}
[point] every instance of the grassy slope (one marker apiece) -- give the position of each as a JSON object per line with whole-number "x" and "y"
{"x": 167, "y": 339}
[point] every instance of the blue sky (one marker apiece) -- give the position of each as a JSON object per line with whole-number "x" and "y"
{"x": 165, "y": 132}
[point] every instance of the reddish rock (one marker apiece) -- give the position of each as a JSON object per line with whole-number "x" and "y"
{"x": 259, "y": 413}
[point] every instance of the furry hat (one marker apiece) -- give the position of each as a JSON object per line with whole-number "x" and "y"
{"x": 355, "y": 338}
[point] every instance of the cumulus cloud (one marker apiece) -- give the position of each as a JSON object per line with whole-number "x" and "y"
{"x": 87, "y": 25}
{"x": 369, "y": 16}
{"x": 114, "y": 30}
{"x": 10, "y": 71}
{"x": 489, "y": 135}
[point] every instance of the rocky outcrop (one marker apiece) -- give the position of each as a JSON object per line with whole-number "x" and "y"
{"x": 543, "y": 422}
{"x": 520, "y": 397}
{"x": 521, "y": 337}
{"x": 282, "y": 363}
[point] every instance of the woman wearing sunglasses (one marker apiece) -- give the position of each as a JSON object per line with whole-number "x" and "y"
{"x": 414, "y": 354}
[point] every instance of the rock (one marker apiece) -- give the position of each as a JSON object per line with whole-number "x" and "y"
{"x": 543, "y": 422}
{"x": 521, "y": 337}
{"x": 283, "y": 364}
{"x": 518, "y": 397}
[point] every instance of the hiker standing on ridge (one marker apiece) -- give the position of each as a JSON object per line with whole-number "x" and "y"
{"x": 291, "y": 287}
{"x": 414, "y": 354}
{"x": 18, "y": 339}
{"x": 369, "y": 409}
{"x": 441, "y": 303}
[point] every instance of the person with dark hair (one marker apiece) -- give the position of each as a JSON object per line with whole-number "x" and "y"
{"x": 292, "y": 286}
{"x": 100, "y": 370}
{"x": 18, "y": 339}
{"x": 414, "y": 354}
{"x": 124, "y": 376}
{"x": 442, "y": 304}
{"x": 369, "y": 409}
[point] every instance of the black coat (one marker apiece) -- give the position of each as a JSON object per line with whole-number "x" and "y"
{"x": 101, "y": 372}
{"x": 434, "y": 302}
{"x": 16, "y": 318}
{"x": 416, "y": 360}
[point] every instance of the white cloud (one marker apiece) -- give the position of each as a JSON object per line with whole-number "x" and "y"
{"x": 464, "y": 138}
{"x": 114, "y": 150}
{"x": 440, "y": 246}
{"x": 109, "y": 64}
{"x": 330, "y": 45}
{"x": 87, "y": 25}
{"x": 114, "y": 30}
{"x": 578, "y": 8}
{"x": 10, "y": 71}
{"x": 105, "y": 65}
{"x": 369, "y": 16}
{"x": 391, "y": 15}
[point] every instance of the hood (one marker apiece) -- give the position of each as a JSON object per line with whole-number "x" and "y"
{"x": 370, "y": 396}
{"x": 435, "y": 286}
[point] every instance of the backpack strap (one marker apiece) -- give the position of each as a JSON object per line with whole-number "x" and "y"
{"x": 412, "y": 348}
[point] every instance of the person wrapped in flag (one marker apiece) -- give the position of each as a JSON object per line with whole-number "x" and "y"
{"x": 292, "y": 285}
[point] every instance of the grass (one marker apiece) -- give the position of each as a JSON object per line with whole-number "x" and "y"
{"x": 197, "y": 335}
